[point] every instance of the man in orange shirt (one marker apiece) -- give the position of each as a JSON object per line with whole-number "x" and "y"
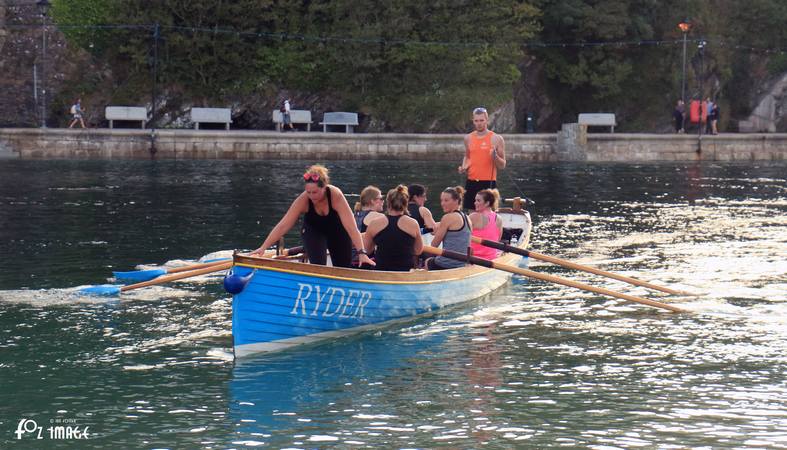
{"x": 485, "y": 153}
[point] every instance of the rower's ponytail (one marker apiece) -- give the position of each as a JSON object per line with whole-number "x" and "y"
{"x": 456, "y": 192}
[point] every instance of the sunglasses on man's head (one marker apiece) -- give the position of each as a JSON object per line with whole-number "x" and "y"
{"x": 479, "y": 110}
{"x": 309, "y": 176}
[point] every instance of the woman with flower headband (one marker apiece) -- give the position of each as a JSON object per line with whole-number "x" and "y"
{"x": 328, "y": 222}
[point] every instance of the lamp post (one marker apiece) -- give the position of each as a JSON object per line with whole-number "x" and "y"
{"x": 684, "y": 26}
{"x": 701, "y": 46}
{"x": 43, "y": 6}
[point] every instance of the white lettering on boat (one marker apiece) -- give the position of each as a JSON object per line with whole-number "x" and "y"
{"x": 301, "y": 298}
{"x": 349, "y": 303}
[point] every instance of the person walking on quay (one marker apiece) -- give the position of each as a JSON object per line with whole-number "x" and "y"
{"x": 285, "y": 110}
{"x": 679, "y": 116}
{"x": 485, "y": 153}
{"x": 77, "y": 113}
{"x": 709, "y": 106}
{"x": 714, "y": 118}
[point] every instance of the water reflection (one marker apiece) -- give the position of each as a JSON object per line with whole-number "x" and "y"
{"x": 334, "y": 382}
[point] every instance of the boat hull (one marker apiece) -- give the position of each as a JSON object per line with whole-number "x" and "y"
{"x": 288, "y": 303}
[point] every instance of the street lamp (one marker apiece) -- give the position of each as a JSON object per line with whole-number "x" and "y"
{"x": 43, "y": 6}
{"x": 684, "y": 26}
{"x": 701, "y": 46}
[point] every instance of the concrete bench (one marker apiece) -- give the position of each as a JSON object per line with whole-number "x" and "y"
{"x": 349, "y": 120}
{"x": 297, "y": 116}
{"x": 134, "y": 113}
{"x": 598, "y": 120}
{"x": 211, "y": 115}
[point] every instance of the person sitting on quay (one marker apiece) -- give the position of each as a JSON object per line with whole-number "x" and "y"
{"x": 486, "y": 223}
{"x": 394, "y": 237}
{"x": 453, "y": 230}
{"x": 369, "y": 207}
{"x": 417, "y": 210}
{"x": 328, "y": 223}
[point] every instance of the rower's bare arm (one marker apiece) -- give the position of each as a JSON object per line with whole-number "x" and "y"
{"x": 298, "y": 207}
{"x": 428, "y": 219}
{"x": 445, "y": 223}
{"x": 348, "y": 222}
{"x": 368, "y": 240}
{"x": 418, "y": 245}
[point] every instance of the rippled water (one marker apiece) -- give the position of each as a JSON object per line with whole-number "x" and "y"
{"x": 535, "y": 365}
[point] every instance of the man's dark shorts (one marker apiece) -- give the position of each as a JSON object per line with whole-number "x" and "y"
{"x": 472, "y": 187}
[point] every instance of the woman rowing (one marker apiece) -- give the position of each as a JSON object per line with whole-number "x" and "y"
{"x": 369, "y": 207}
{"x": 453, "y": 231}
{"x": 394, "y": 237}
{"x": 486, "y": 223}
{"x": 417, "y": 210}
{"x": 328, "y": 223}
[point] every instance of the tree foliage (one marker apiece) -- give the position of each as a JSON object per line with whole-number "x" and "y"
{"x": 419, "y": 66}
{"x": 413, "y": 66}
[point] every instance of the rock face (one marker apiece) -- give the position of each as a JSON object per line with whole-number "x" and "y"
{"x": 24, "y": 73}
{"x": 531, "y": 101}
{"x": 770, "y": 113}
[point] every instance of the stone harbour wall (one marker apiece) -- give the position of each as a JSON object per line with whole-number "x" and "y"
{"x": 571, "y": 144}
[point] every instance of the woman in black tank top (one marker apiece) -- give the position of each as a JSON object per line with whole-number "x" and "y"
{"x": 417, "y": 210}
{"x": 395, "y": 238}
{"x": 328, "y": 222}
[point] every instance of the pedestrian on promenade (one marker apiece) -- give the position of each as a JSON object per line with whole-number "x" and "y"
{"x": 285, "y": 110}
{"x": 485, "y": 153}
{"x": 709, "y": 111}
{"x": 77, "y": 113}
{"x": 714, "y": 118}
{"x": 679, "y": 116}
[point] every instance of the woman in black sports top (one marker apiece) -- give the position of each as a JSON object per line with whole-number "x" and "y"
{"x": 394, "y": 237}
{"x": 328, "y": 222}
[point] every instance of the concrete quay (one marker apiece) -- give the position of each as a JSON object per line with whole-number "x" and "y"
{"x": 573, "y": 143}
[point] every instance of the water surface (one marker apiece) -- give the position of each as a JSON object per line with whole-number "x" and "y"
{"x": 532, "y": 366}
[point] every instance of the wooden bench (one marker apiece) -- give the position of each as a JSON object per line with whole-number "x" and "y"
{"x": 133, "y": 113}
{"x": 598, "y": 120}
{"x": 297, "y": 116}
{"x": 349, "y": 120}
{"x": 211, "y": 115}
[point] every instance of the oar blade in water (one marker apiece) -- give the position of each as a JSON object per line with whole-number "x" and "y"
{"x": 101, "y": 290}
{"x": 139, "y": 275}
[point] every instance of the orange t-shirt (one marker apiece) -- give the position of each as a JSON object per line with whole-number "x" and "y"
{"x": 481, "y": 165}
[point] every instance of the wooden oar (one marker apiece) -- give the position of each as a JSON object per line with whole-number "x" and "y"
{"x": 111, "y": 289}
{"x": 149, "y": 274}
{"x": 575, "y": 266}
{"x": 545, "y": 277}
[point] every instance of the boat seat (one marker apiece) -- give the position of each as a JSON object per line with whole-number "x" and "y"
{"x": 511, "y": 235}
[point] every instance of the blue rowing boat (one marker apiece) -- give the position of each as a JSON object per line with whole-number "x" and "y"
{"x": 288, "y": 303}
